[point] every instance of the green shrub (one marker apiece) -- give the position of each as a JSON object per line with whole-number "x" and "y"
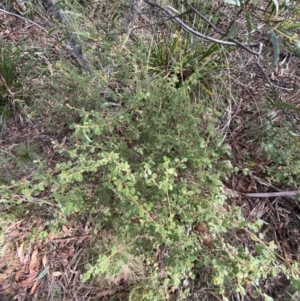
{"x": 151, "y": 170}
{"x": 145, "y": 160}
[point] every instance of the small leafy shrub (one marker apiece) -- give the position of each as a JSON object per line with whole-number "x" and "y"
{"x": 150, "y": 170}
{"x": 281, "y": 149}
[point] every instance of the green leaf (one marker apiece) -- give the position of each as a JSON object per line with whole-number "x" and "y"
{"x": 279, "y": 104}
{"x": 276, "y": 5}
{"x": 233, "y": 2}
{"x": 86, "y": 136}
{"x": 292, "y": 26}
{"x": 276, "y": 48}
{"x": 232, "y": 29}
{"x": 78, "y": 177}
{"x": 141, "y": 212}
{"x": 25, "y": 191}
{"x": 295, "y": 284}
{"x": 43, "y": 273}
{"x": 53, "y": 31}
{"x": 213, "y": 48}
{"x": 41, "y": 187}
{"x": 249, "y": 26}
{"x": 107, "y": 104}
{"x": 268, "y": 298}
{"x": 86, "y": 277}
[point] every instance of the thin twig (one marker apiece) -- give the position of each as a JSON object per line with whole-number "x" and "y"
{"x": 6, "y": 86}
{"x": 7, "y": 152}
{"x": 268, "y": 80}
{"x": 229, "y": 42}
{"x": 271, "y": 194}
{"x": 206, "y": 20}
{"x": 234, "y": 193}
{"x": 201, "y": 36}
{"x": 238, "y": 13}
{"x": 23, "y": 18}
{"x": 238, "y": 43}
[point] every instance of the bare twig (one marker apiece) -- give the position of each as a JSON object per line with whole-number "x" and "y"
{"x": 23, "y": 18}
{"x": 267, "y": 78}
{"x": 233, "y": 193}
{"x": 238, "y": 13}
{"x": 206, "y": 20}
{"x": 229, "y": 42}
{"x": 201, "y": 36}
{"x": 271, "y": 194}
{"x": 238, "y": 43}
{"x": 6, "y": 86}
{"x": 7, "y": 152}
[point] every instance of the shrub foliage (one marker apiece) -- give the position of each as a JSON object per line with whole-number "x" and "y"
{"x": 144, "y": 158}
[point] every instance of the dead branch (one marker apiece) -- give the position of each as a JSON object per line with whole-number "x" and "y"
{"x": 197, "y": 34}
{"x": 226, "y": 42}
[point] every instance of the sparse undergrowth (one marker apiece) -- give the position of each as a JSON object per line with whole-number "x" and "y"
{"x": 129, "y": 159}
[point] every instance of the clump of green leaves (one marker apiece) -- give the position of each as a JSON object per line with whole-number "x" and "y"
{"x": 280, "y": 146}
{"x": 178, "y": 54}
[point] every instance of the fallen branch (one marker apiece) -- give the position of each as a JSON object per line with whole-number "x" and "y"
{"x": 270, "y": 194}
{"x": 197, "y": 34}
{"x": 229, "y": 42}
{"x": 233, "y": 193}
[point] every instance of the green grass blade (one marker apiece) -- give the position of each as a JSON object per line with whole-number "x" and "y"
{"x": 276, "y": 48}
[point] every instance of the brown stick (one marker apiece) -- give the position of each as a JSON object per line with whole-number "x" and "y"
{"x": 271, "y": 194}
{"x": 233, "y": 193}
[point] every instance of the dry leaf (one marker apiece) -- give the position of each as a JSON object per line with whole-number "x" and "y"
{"x": 16, "y": 224}
{"x": 4, "y": 248}
{"x": 200, "y": 229}
{"x": 33, "y": 288}
{"x": 44, "y": 260}
{"x": 105, "y": 293}
{"x": 51, "y": 236}
{"x": 18, "y": 274}
{"x": 203, "y": 235}
{"x": 208, "y": 241}
{"x": 64, "y": 262}
{"x": 2, "y": 277}
{"x": 120, "y": 279}
{"x": 5, "y": 285}
{"x": 34, "y": 262}
{"x": 20, "y": 252}
{"x": 66, "y": 230}
{"x": 28, "y": 280}
{"x": 27, "y": 258}
{"x": 57, "y": 273}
